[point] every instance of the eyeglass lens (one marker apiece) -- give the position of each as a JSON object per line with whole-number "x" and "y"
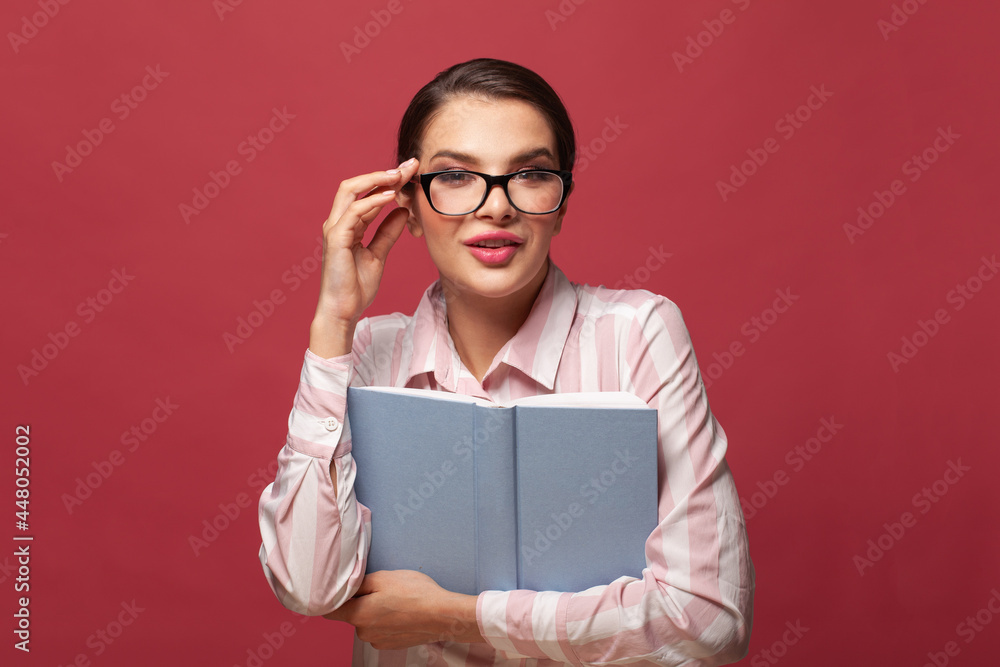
{"x": 460, "y": 192}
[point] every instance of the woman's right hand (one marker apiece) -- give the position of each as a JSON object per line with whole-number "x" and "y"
{"x": 352, "y": 272}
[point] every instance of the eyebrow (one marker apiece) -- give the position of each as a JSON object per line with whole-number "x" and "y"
{"x": 541, "y": 151}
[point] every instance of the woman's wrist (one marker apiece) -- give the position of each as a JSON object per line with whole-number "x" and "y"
{"x": 331, "y": 338}
{"x": 455, "y": 618}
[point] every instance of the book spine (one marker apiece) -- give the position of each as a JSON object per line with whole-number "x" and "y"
{"x": 496, "y": 506}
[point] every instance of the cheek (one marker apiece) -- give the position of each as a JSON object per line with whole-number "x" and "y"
{"x": 438, "y": 234}
{"x": 548, "y": 229}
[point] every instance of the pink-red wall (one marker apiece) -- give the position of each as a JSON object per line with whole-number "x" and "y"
{"x": 813, "y": 183}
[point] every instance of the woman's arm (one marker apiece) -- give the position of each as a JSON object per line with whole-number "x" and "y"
{"x": 397, "y": 609}
{"x": 315, "y": 534}
{"x": 693, "y": 604}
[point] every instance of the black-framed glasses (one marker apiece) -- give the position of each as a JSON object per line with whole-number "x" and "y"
{"x": 532, "y": 191}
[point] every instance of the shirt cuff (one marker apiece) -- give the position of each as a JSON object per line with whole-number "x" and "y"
{"x": 317, "y": 425}
{"x": 342, "y": 359}
{"x": 526, "y": 624}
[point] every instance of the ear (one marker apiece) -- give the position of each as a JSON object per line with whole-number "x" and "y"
{"x": 405, "y": 198}
{"x": 562, "y": 210}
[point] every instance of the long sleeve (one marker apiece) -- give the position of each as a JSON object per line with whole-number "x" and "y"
{"x": 693, "y": 603}
{"x": 315, "y": 541}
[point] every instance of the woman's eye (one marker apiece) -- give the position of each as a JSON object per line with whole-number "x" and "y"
{"x": 531, "y": 176}
{"x": 456, "y": 178}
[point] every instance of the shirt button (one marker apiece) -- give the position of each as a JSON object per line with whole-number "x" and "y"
{"x": 331, "y": 424}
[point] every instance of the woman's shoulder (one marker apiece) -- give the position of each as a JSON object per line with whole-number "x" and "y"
{"x": 599, "y": 300}
{"x": 382, "y": 325}
{"x": 637, "y": 319}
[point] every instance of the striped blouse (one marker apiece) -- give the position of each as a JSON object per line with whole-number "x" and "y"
{"x": 693, "y": 603}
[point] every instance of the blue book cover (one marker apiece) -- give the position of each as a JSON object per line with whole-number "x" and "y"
{"x": 554, "y": 492}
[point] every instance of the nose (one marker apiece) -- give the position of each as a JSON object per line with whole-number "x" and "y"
{"x": 497, "y": 207}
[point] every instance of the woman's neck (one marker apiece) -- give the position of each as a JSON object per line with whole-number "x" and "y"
{"x": 480, "y": 326}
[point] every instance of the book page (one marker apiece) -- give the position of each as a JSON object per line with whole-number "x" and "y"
{"x": 585, "y": 399}
{"x": 430, "y": 393}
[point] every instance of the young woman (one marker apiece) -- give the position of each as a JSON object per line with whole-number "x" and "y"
{"x": 501, "y": 322}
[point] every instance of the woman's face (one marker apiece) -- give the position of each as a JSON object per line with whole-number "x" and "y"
{"x": 492, "y": 137}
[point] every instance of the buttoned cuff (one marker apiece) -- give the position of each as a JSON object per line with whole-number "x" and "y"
{"x": 317, "y": 425}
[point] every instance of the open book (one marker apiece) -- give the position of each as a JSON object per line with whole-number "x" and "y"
{"x": 553, "y": 492}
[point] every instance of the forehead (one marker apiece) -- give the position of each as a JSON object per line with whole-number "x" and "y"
{"x": 491, "y": 130}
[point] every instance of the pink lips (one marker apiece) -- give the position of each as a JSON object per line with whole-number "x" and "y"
{"x": 496, "y": 255}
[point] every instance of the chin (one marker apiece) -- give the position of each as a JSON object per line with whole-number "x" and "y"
{"x": 494, "y": 282}
{"x": 493, "y": 288}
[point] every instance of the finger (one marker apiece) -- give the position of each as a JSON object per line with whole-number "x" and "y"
{"x": 370, "y": 214}
{"x": 351, "y": 226}
{"x": 367, "y": 184}
{"x": 409, "y": 170}
{"x": 341, "y": 613}
{"x": 388, "y": 233}
{"x": 352, "y": 189}
{"x": 404, "y": 174}
{"x": 401, "y": 175}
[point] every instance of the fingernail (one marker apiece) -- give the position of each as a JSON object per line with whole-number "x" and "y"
{"x": 408, "y": 162}
{"x": 392, "y": 172}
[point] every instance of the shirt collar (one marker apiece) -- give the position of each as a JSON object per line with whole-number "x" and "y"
{"x": 535, "y": 349}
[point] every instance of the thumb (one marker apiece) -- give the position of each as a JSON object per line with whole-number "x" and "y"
{"x": 342, "y": 613}
{"x": 388, "y": 232}
{"x": 368, "y": 585}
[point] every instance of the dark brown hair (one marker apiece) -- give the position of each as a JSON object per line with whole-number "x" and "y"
{"x": 490, "y": 79}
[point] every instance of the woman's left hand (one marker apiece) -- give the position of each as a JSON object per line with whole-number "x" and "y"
{"x": 396, "y": 609}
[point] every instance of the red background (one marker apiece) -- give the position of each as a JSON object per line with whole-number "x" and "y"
{"x": 654, "y": 185}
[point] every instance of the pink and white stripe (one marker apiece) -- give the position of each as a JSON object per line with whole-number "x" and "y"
{"x": 692, "y": 605}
